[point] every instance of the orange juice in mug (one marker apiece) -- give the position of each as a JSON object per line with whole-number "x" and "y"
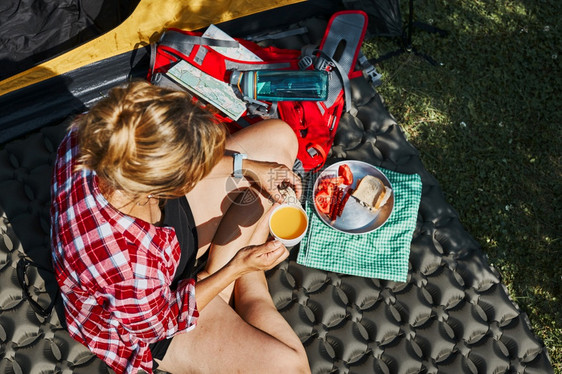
{"x": 288, "y": 223}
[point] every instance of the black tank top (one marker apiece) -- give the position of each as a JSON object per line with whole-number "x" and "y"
{"x": 177, "y": 214}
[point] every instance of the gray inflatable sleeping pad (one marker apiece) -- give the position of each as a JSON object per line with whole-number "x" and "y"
{"x": 452, "y": 315}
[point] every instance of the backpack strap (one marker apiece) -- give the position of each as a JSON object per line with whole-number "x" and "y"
{"x": 185, "y": 42}
{"x": 316, "y": 152}
{"x": 278, "y": 35}
{"x": 322, "y": 61}
{"x": 339, "y": 49}
{"x": 241, "y": 66}
{"x": 369, "y": 71}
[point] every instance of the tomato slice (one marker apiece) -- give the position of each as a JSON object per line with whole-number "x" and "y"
{"x": 344, "y": 171}
{"x": 327, "y": 192}
{"x": 329, "y": 183}
{"x": 323, "y": 201}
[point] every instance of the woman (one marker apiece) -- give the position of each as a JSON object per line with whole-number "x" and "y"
{"x": 142, "y": 187}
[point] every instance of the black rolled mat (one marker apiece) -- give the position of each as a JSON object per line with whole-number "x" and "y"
{"x": 452, "y": 315}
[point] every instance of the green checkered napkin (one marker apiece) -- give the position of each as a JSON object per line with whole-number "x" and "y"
{"x": 382, "y": 253}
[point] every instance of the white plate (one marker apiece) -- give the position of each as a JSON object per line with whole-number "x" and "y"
{"x": 355, "y": 218}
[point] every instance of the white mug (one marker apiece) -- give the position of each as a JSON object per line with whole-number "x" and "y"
{"x": 288, "y": 223}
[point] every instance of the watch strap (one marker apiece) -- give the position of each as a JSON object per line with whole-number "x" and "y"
{"x": 237, "y": 169}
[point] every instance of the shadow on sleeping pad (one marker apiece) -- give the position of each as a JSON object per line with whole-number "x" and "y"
{"x": 452, "y": 315}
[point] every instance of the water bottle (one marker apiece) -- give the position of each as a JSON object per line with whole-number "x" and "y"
{"x": 282, "y": 85}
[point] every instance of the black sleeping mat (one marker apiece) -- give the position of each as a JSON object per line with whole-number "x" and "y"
{"x": 452, "y": 315}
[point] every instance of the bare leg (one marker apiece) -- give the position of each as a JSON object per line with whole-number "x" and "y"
{"x": 271, "y": 140}
{"x": 224, "y": 343}
{"x": 254, "y": 338}
{"x": 252, "y": 300}
{"x": 243, "y": 224}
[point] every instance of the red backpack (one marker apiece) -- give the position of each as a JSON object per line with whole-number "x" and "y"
{"x": 314, "y": 122}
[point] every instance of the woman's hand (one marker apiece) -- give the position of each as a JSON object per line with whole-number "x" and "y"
{"x": 261, "y": 257}
{"x": 271, "y": 176}
{"x": 248, "y": 259}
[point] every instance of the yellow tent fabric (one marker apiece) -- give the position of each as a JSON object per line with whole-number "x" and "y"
{"x": 144, "y": 26}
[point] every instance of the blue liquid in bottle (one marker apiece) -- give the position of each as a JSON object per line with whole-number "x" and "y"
{"x": 285, "y": 85}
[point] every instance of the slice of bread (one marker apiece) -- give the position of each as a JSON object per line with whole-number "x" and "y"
{"x": 372, "y": 193}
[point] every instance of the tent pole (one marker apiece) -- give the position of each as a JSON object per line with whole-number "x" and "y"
{"x": 409, "y": 46}
{"x": 407, "y": 36}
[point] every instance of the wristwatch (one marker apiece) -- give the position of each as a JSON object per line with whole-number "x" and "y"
{"x": 238, "y": 157}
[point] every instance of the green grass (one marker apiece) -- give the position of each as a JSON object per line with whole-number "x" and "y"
{"x": 487, "y": 122}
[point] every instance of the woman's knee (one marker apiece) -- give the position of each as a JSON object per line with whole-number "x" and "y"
{"x": 269, "y": 140}
{"x": 285, "y": 143}
{"x": 297, "y": 364}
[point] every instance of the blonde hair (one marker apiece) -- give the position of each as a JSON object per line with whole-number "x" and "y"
{"x": 143, "y": 139}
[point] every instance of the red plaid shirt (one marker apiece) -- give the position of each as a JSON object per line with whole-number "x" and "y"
{"x": 114, "y": 271}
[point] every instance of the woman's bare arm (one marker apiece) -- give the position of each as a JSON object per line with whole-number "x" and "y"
{"x": 248, "y": 259}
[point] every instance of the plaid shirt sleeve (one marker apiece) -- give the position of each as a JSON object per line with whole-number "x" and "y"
{"x": 150, "y": 311}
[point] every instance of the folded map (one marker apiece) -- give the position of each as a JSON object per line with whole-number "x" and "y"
{"x": 215, "y": 92}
